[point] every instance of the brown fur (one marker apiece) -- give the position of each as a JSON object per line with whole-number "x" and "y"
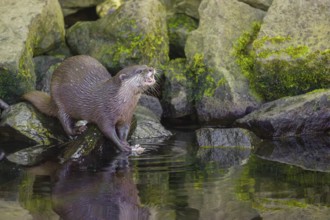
{"x": 81, "y": 88}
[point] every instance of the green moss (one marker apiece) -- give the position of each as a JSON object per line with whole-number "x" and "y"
{"x": 284, "y": 71}
{"x": 200, "y": 76}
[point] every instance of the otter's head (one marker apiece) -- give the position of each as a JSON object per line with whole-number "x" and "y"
{"x": 140, "y": 77}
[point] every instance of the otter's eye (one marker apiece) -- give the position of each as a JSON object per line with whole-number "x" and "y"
{"x": 139, "y": 71}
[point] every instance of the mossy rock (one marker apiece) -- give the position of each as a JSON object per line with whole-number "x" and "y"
{"x": 38, "y": 27}
{"x": 224, "y": 91}
{"x": 291, "y": 53}
{"x": 135, "y": 33}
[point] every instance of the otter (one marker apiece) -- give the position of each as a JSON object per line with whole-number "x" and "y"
{"x": 81, "y": 88}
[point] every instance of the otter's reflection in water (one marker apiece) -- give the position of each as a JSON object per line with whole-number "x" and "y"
{"x": 97, "y": 188}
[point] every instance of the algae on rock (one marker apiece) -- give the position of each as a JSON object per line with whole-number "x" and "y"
{"x": 292, "y": 50}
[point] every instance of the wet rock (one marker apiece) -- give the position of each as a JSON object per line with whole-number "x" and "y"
{"x": 229, "y": 137}
{"x": 44, "y": 68}
{"x": 260, "y": 4}
{"x": 224, "y": 90}
{"x": 307, "y": 152}
{"x": 28, "y": 28}
{"x": 28, "y": 122}
{"x": 177, "y": 93}
{"x": 34, "y": 155}
{"x": 291, "y": 116}
{"x": 147, "y": 125}
{"x": 135, "y": 34}
{"x": 227, "y": 147}
{"x": 152, "y": 103}
{"x": 292, "y": 49}
{"x": 84, "y": 144}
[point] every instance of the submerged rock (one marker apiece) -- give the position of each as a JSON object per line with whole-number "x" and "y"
{"x": 291, "y": 116}
{"x": 136, "y": 33}
{"x": 227, "y": 147}
{"x": 28, "y": 122}
{"x": 224, "y": 90}
{"x": 28, "y": 28}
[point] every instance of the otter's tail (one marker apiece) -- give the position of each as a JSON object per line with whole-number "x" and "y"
{"x": 42, "y": 101}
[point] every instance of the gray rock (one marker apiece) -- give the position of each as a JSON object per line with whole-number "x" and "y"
{"x": 28, "y": 28}
{"x": 291, "y": 116}
{"x": 292, "y": 49}
{"x": 227, "y": 95}
{"x": 33, "y": 155}
{"x": 260, "y": 4}
{"x": 135, "y": 34}
{"x": 147, "y": 125}
{"x": 227, "y": 147}
{"x": 226, "y": 137}
{"x": 44, "y": 68}
{"x": 177, "y": 99}
{"x": 152, "y": 103}
{"x": 79, "y": 3}
{"x": 26, "y": 120}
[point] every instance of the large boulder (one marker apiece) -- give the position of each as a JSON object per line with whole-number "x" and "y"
{"x": 292, "y": 50}
{"x": 28, "y": 28}
{"x": 291, "y": 116}
{"x": 136, "y": 33}
{"x": 224, "y": 90}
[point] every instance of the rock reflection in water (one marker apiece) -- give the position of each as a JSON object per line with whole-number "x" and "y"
{"x": 307, "y": 152}
{"x": 109, "y": 193}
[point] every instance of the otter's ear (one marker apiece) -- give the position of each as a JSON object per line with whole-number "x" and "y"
{"x": 123, "y": 77}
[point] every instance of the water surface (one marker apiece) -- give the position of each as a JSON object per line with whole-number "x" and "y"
{"x": 170, "y": 180}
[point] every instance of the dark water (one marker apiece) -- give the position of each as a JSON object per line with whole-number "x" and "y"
{"x": 170, "y": 180}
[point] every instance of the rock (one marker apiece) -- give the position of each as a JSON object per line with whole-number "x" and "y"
{"x": 177, "y": 98}
{"x": 291, "y": 116}
{"x": 108, "y": 7}
{"x": 224, "y": 93}
{"x": 292, "y": 50}
{"x": 179, "y": 26}
{"x": 226, "y": 137}
{"x": 307, "y": 152}
{"x": 189, "y": 8}
{"x": 135, "y": 34}
{"x": 26, "y": 120}
{"x": 147, "y": 125}
{"x": 79, "y": 3}
{"x": 227, "y": 147}
{"x": 28, "y": 28}
{"x": 44, "y": 68}
{"x": 32, "y": 156}
{"x": 152, "y": 103}
{"x": 260, "y": 4}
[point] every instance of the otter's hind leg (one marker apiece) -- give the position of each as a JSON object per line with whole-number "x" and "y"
{"x": 66, "y": 122}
